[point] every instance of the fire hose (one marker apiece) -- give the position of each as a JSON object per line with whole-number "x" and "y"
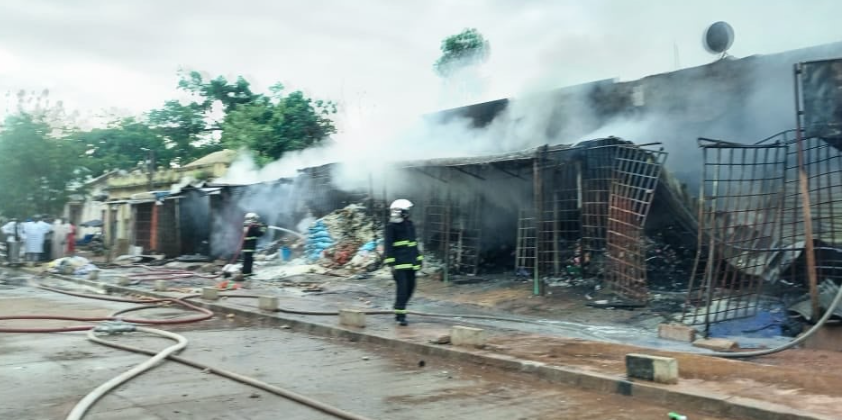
{"x": 126, "y": 324}
{"x": 88, "y": 401}
{"x": 734, "y": 355}
{"x": 240, "y": 378}
{"x": 800, "y": 339}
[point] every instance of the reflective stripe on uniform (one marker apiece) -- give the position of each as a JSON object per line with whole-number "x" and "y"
{"x": 416, "y": 267}
{"x": 420, "y": 258}
{"x": 404, "y": 267}
{"x": 248, "y": 251}
{"x": 405, "y": 243}
{"x": 389, "y": 260}
{"x": 401, "y": 311}
{"x": 251, "y": 237}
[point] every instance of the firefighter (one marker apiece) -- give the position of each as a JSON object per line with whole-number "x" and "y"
{"x": 252, "y": 229}
{"x": 402, "y": 255}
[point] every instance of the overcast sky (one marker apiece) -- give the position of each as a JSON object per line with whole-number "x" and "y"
{"x": 371, "y": 54}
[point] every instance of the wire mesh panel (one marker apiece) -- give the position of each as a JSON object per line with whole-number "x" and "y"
{"x": 526, "y": 247}
{"x": 436, "y": 228}
{"x": 636, "y": 175}
{"x": 740, "y": 248}
{"x": 597, "y": 177}
{"x": 561, "y": 225}
{"x": 822, "y": 174}
{"x": 465, "y": 237}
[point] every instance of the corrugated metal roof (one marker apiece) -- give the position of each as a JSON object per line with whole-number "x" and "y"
{"x": 827, "y": 292}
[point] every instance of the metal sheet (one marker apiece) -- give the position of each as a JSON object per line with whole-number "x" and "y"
{"x": 821, "y": 87}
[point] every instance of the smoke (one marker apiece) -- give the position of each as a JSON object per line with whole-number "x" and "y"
{"x": 736, "y": 100}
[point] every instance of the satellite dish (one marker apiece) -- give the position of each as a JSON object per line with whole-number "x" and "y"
{"x": 718, "y": 38}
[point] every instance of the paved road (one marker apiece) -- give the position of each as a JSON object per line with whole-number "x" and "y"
{"x": 43, "y": 375}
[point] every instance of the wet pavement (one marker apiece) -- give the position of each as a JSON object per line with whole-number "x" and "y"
{"x": 43, "y": 375}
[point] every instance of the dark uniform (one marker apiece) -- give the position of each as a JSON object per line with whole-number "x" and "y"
{"x": 403, "y": 256}
{"x": 254, "y": 231}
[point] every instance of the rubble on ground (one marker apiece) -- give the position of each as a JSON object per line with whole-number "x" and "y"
{"x": 345, "y": 239}
{"x": 71, "y": 265}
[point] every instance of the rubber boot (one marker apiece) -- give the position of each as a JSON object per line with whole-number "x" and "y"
{"x": 401, "y": 318}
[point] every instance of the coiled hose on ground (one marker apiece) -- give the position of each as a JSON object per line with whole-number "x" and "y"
{"x": 336, "y": 412}
{"x": 84, "y": 405}
{"x": 88, "y": 401}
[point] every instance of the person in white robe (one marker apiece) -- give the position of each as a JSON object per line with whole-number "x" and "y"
{"x": 35, "y": 233}
{"x": 60, "y": 231}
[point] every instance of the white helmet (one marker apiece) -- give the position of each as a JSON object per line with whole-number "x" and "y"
{"x": 252, "y": 217}
{"x": 399, "y": 210}
{"x": 401, "y": 204}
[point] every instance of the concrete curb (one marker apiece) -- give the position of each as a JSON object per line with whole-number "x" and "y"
{"x": 712, "y": 404}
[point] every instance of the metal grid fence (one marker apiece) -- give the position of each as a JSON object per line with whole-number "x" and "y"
{"x": 635, "y": 177}
{"x": 742, "y": 196}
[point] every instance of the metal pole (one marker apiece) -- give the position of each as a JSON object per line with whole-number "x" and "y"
{"x": 711, "y": 240}
{"x": 538, "y": 287}
{"x": 804, "y": 186}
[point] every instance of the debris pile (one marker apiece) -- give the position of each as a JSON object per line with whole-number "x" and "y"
{"x": 346, "y": 238}
{"x": 668, "y": 267}
{"x": 71, "y": 265}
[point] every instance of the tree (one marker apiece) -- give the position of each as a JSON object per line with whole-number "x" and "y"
{"x": 462, "y": 50}
{"x": 187, "y": 128}
{"x": 272, "y": 125}
{"x": 124, "y": 144}
{"x": 38, "y": 166}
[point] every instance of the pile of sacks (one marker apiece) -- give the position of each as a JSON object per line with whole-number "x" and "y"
{"x": 71, "y": 265}
{"x": 318, "y": 240}
{"x": 345, "y": 238}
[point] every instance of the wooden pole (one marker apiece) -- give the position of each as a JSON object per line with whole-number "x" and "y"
{"x": 804, "y": 187}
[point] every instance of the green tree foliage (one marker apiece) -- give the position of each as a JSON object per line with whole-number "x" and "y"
{"x": 464, "y": 49}
{"x": 37, "y": 168}
{"x": 43, "y": 157}
{"x": 273, "y": 125}
{"x": 124, "y": 144}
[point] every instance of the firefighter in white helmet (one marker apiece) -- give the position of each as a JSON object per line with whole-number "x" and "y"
{"x": 402, "y": 255}
{"x": 252, "y": 229}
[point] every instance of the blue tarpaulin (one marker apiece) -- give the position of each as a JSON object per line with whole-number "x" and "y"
{"x": 765, "y": 324}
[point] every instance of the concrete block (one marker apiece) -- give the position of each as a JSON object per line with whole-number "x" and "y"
{"x": 716, "y": 344}
{"x": 123, "y": 281}
{"x": 210, "y": 293}
{"x": 467, "y": 336}
{"x": 677, "y": 332}
{"x": 658, "y": 369}
{"x": 352, "y": 318}
{"x": 268, "y": 303}
{"x": 93, "y": 275}
{"x": 442, "y": 339}
{"x": 161, "y": 286}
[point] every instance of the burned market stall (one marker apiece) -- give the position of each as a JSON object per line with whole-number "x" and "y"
{"x": 555, "y": 212}
{"x": 770, "y": 212}
{"x": 278, "y": 203}
{"x": 467, "y": 209}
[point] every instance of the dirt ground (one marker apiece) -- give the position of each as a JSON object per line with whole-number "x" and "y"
{"x": 781, "y": 378}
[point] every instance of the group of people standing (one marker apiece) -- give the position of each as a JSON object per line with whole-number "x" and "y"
{"x": 40, "y": 240}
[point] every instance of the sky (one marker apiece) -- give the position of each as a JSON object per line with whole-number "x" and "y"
{"x": 371, "y": 56}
